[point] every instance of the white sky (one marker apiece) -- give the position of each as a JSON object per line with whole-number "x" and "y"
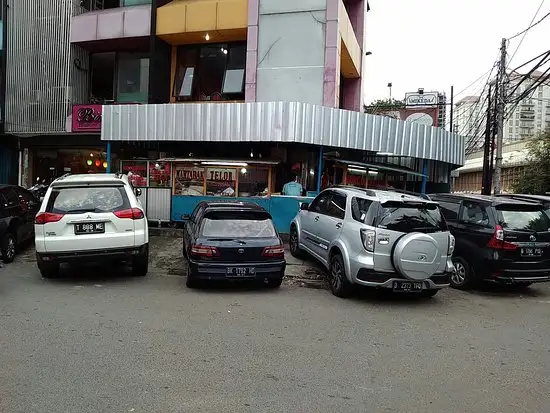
{"x": 438, "y": 43}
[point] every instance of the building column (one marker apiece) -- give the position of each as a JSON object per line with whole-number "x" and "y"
{"x": 252, "y": 51}
{"x": 331, "y": 81}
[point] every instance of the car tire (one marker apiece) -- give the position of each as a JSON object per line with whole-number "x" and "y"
{"x": 429, "y": 293}
{"x": 140, "y": 264}
{"x": 49, "y": 270}
{"x": 191, "y": 281}
{"x": 463, "y": 276}
{"x": 8, "y": 247}
{"x": 339, "y": 284}
{"x": 294, "y": 244}
{"x": 274, "y": 283}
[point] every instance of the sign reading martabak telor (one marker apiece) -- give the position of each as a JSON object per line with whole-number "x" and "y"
{"x": 417, "y": 100}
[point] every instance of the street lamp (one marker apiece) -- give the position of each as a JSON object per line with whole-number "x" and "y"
{"x": 390, "y": 84}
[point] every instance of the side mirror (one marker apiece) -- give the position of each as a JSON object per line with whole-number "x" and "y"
{"x": 304, "y": 206}
{"x": 138, "y": 191}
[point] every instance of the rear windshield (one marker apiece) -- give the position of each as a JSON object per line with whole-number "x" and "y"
{"x": 78, "y": 200}
{"x": 234, "y": 224}
{"x": 405, "y": 217}
{"x": 523, "y": 218}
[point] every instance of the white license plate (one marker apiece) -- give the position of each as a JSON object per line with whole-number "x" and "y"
{"x": 236, "y": 272}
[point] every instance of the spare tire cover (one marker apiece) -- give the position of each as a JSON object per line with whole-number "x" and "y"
{"x": 416, "y": 256}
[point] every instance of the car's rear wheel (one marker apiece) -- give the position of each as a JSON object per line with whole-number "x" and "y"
{"x": 49, "y": 270}
{"x": 8, "y": 247}
{"x": 140, "y": 264}
{"x": 294, "y": 243}
{"x": 462, "y": 277}
{"x": 339, "y": 284}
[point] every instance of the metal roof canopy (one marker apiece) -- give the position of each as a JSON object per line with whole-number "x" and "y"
{"x": 221, "y": 161}
{"x": 374, "y": 166}
{"x": 280, "y": 122}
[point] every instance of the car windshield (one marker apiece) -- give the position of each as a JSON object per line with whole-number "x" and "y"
{"x": 219, "y": 224}
{"x": 87, "y": 199}
{"x": 532, "y": 219}
{"x": 411, "y": 217}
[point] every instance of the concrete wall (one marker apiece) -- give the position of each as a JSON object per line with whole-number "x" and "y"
{"x": 291, "y": 51}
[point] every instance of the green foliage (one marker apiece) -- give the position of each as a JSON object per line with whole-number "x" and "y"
{"x": 383, "y": 105}
{"x": 536, "y": 175}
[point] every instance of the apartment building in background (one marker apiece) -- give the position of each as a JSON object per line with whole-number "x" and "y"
{"x": 65, "y": 60}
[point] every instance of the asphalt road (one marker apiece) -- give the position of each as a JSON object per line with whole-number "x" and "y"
{"x": 102, "y": 341}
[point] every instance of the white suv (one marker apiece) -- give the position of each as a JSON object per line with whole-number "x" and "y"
{"x": 91, "y": 218}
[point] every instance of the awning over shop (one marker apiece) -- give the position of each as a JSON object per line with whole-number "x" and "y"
{"x": 280, "y": 122}
{"x": 378, "y": 167}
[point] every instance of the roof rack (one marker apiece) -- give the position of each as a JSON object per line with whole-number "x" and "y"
{"x": 369, "y": 192}
{"x": 404, "y": 192}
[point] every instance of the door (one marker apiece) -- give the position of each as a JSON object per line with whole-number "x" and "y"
{"x": 310, "y": 220}
{"x": 473, "y": 230}
{"x": 29, "y": 207}
{"x": 189, "y": 228}
{"x": 330, "y": 223}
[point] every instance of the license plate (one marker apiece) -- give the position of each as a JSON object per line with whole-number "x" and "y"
{"x": 531, "y": 252}
{"x": 241, "y": 272}
{"x": 407, "y": 286}
{"x": 91, "y": 228}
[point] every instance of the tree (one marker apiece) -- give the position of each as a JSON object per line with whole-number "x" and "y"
{"x": 535, "y": 178}
{"x": 383, "y": 105}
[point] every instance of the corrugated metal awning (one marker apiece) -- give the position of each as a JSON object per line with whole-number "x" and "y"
{"x": 280, "y": 122}
{"x": 378, "y": 167}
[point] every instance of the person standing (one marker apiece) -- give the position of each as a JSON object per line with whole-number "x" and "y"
{"x": 293, "y": 188}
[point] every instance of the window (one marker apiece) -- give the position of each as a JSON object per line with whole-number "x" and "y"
{"x": 253, "y": 181}
{"x": 449, "y": 210}
{"x": 410, "y": 217}
{"x": 210, "y": 72}
{"x": 221, "y": 181}
{"x": 359, "y": 208}
{"x": 523, "y": 219}
{"x": 102, "y": 77}
{"x": 11, "y": 197}
{"x": 474, "y": 213}
{"x": 217, "y": 224}
{"x": 319, "y": 204}
{"x": 337, "y": 206}
{"x": 189, "y": 180}
{"x": 133, "y": 78}
{"x": 87, "y": 199}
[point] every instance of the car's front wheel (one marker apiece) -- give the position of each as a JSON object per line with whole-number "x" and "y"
{"x": 339, "y": 284}
{"x": 7, "y": 247}
{"x": 294, "y": 243}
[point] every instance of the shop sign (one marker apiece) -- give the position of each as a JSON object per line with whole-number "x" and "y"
{"x": 421, "y": 100}
{"x": 221, "y": 181}
{"x": 188, "y": 180}
{"x": 137, "y": 170}
{"x": 86, "y": 118}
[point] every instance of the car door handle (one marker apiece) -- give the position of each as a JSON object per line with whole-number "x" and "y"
{"x": 339, "y": 225}
{"x": 316, "y": 219}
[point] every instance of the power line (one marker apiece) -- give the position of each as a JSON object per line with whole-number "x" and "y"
{"x": 524, "y": 33}
{"x": 532, "y": 25}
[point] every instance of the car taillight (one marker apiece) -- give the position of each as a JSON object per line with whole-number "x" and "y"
{"x": 46, "y": 217}
{"x": 497, "y": 241}
{"x": 199, "y": 250}
{"x": 133, "y": 213}
{"x": 367, "y": 238}
{"x": 276, "y": 251}
{"x": 452, "y": 243}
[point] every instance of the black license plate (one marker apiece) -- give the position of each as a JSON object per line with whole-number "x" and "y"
{"x": 236, "y": 272}
{"x": 531, "y": 252}
{"x": 407, "y": 286}
{"x": 91, "y": 228}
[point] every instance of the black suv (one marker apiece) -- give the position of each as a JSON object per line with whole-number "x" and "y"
{"x": 498, "y": 239}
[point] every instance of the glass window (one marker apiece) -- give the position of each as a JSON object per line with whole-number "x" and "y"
{"x": 160, "y": 174}
{"x": 102, "y": 77}
{"x": 87, "y": 199}
{"x": 127, "y": 3}
{"x": 133, "y": 79}
{"x": 410, "y": 217}
{"x": 136, "y": 171}
{"x": 221, "y": 181}
{"x": 233, "y": 81}
{"x": 218, "y": 224}
{"x": 523, "y": 219}
{"x": 449, "y": 210}
{"x": 474, "y": 213}
{"x": 186, "y": 88}
{"x": 253, "y": 181}
{"x": 189, "y": 180}
{"x": 337, "y": 206}
{"x": 359, "y": 208}
{"x": 319, "y": 204}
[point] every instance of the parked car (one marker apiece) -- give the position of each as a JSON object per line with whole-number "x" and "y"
{"x": 375, "y": 238}
{"x": 232, "y": 241}
{"x": 544, "y": 200}
{"x": 92, "y": 218}
{"x": 17, "y": 210}
{"x": 498, "y": 239}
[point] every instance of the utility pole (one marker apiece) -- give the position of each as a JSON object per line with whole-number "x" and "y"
{"x": 486, "y": 176}
{"x": 452, "y": 107}
{"x": 501, "y": 106}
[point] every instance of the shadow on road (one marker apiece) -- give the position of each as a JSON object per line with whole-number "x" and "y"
{"x": 510, "y": 291}
{"x": 93, "y": 274}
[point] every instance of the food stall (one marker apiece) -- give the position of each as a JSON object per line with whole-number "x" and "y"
{"x": 196, "y": 180}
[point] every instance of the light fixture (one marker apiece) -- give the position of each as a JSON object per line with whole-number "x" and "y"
{"x": 105, "y": 164}
{"x": 243, "y": 171}
{"x": 384, "y": 153}
{"x": 358, "y": 171}
{"x": 252, "y": 154}
{"x": 207, "y": 37}
{"x": 312, "y": 171}
{"x": 224, "y": 50}
{"x": 91, "y": 155}
{"x": 89, "y": 162}
{"x": 97, "y": 163}
{"x": 241, "y": 164}
{"x": 374, "y": 173}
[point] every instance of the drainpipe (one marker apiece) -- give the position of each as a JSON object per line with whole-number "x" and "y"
{"x": 425, "y": 176}
{"x": 320, "y": 169}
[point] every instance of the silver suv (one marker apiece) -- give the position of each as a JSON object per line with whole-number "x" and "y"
{"x": 375, "y": 238}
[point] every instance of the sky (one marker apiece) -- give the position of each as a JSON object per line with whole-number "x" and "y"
{"x": 433, "y": 44}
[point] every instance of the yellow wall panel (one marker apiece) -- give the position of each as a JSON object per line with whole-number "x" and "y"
{"x": 201, "y": 16}
{"x": 232, "y": 14}
{"x": 171, "y": 18}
